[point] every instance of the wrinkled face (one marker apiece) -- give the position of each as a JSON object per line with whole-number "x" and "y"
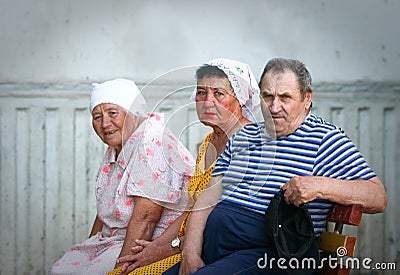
{"x": 108, "y": 121}
{"x": 216, "y": 103}
{"x": 283, "y": 107}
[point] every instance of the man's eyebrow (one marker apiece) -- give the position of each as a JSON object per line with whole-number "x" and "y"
{"x": 266, "y": 92}
{"x": 284, "y": 92}
{"x": 280, "y": 92}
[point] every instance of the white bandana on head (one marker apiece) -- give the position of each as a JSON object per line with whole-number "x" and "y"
{"x": 243, "y": 82}
{"x": 122, "y": 92}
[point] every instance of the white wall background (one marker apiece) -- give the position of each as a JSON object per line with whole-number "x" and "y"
{"x": 51, "y": 50}
{"x": 56, "y": 40}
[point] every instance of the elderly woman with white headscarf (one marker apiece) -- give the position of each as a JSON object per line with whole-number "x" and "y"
{"x": 140, "y": 181}
{"x": 226, "y": 96}
{"x": 224, "y": 235}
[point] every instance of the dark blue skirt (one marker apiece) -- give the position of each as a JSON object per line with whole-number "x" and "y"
{"x": 234, "y": 243}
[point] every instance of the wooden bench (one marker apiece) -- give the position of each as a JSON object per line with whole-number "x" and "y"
{"x": 330, "y": 243}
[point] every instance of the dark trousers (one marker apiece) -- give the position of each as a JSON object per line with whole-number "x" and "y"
{"x": 234, "y": 243}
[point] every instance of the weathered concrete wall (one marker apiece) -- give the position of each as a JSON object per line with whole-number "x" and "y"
{"x": 50, "y": 154}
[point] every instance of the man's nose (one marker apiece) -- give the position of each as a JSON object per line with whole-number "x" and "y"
{"x": 275, "y": 105}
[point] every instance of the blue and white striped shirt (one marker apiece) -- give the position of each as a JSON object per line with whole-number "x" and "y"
{"x": 255, "y": 166}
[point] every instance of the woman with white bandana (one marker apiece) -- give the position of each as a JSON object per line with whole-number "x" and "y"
{"x": 226, "y": 96}
{"x": 224, "y": 237}
{"x": 141, "y": 184}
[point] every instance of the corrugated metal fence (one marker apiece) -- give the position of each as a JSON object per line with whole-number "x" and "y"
{"x": 50, "y": 155}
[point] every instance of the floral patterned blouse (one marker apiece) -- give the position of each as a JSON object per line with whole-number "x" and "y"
{"x": 152, "y": 164}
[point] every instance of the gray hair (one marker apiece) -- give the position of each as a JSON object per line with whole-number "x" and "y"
{"x": 280, "y": 65}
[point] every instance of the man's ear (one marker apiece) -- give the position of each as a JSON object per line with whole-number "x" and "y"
{"x": 308, "y": 99}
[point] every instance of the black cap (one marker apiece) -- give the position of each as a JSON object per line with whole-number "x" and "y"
{"x": 291, "y": 230}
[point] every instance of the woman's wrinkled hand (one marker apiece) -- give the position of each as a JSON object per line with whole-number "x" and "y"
{"x": 191, "y": 262}
{"x": 144, "y": 253}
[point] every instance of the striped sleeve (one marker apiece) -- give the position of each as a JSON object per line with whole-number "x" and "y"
{"x": 339, "y": 158}
{"x": 224, "y": 160}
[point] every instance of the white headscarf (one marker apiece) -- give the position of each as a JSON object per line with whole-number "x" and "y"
{"x": 122, "y": 92}
{"x": 243, "y": 83}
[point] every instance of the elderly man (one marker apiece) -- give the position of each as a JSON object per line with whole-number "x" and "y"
{"x": 313, "y": 160}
